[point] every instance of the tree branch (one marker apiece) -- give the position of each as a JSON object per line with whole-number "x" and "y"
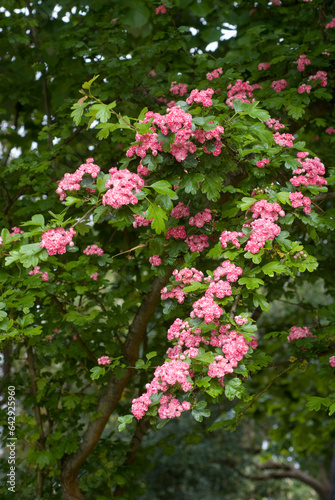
{"x": 112, "y": 394}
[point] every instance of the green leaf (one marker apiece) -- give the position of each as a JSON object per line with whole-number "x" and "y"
{"x": 126, "y": 419}
{"x": 283, "y": 196}
{"x": 87, "y": 85}
{"x": 233, "y": 389}
{"x": 274, "y": 267}
{"x": 251, "y": 283}
{"x": 164, "y": 187}
{"x": 260, "y": 300}
{"x": 212, "y": 187}
{"x": 246, "y": 203}
{"x": 159, "y": 216}
{"x": 77, "y": 113}
{"x": 251, "y": 110}
{"x": 97, "y": 371}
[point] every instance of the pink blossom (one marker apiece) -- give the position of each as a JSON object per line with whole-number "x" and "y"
{"x": 297, "y": 332}
{"x": 332, "y": 361}
{"x": 302, "y": 62}
{"x": 331, "y": 24}
{"x": 202, "y": 96}
{"x": 279, "y": 85}
{"x": 180, "y": 211}
{"x": 304, "y": 88}
{"x": 176, "y": 232}
{"x": 214, "y": 74}
{"x": 298, "y": 200}
{"x": 45, "y": 277}
{"x": 104, "y": 360}
{"x": 71, "y": 182}
{"x": 140, "y": 221}
{"x": 262, "y": 163}
{"x": 123, "y": 182}
{"x": 275, "y": 124}
{"x": 161, "y": 9}
{"x": 155, "y": 260}
{"x": 55, "y": 240}
{"x": 94, "y": 276}
{"x": 178, "y": 88}
{"x": 283, "y": 139}
{"x": 197, "y": 243}
{"x": 201, "y": 218}
{"x": 232, "y": 236}
{"x": 320, "y": 75}
{"x": 310, "y": 173}
{"x": 16, "y": 230}
{"x": 264, "y": 66}
{"x": 93, "y": 249}
{"x": 206, "y": 308}
{"x": 242, "y": 91}
{"x": 330, "y": 130}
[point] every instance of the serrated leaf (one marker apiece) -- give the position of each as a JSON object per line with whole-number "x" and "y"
{"x": 159, "y": 216}
{"x": 164, "y": 187}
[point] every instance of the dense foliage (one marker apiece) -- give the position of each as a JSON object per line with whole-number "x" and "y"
{"x": 167, "y": 246}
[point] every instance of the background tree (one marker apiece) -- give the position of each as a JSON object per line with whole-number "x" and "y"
{"x": 55, "y": 326}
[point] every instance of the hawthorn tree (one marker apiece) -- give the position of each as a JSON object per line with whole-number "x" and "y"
{"x": 167, "y": 241}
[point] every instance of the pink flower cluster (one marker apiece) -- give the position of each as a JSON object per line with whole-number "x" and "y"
{"x": 214, "y": 74}
{"x": 299, "y": 200}
{"x": 55, "y": 240}
{"x": 297, "y": 332}
{"x": 171, "y": 373}
{"x": 201, "y": 218}
{"x": 36, "y": 270}
{"x": 176, "y": 232}
{"x": 145, "y": 142}
{"x": 178, "y": 88}
{"x": 142, "y": 170}
{"x": 264, "y": 66}
{"x": 304, "y": 88}
{"x": 161, "y": 9}
{"x": 279, "y": 85}
{"x": 229, "y": 270}
{"x": 232, "y": 236}
{"x": 71, "y": 182}
{"x": 201, "y": 97}
{"x": 155, "y": 260}
{"x": 240, "y": 321}
{"x": 140, "y": 221}
{"x": 187, "y": 275}
{"x": 180, "y": 123}
{"x": 310, "y": 173}
{"x": 266, "y": 210}
{"x": 262, "y": 163}
{"x": 283, "y": 139}
{"x": 197, "y": 243}
{"x": 242, "y": 91}
{"x": 93, "y": 249}
{"x": 320, "y": 75}
{"x": 264, "y": 227}
{"x": 302, "y": 62}
{"x": 332, "y": 361}
{"x": 207, "y": 309}
{"x": 331, "y": 24}
{"x": 180, "y": 211}
{"x": 123, "y": 182}
{"x": 175, "y": 293}
{"x": 16, "y": 230}
{"x": 235, "y": 347}
{"x": 94, "y": 276}
{"x": 275, "y": 124}
{"x": 330, "y": 130}
{"x": 219, "y": 288}
{"x": 104, "y": 360}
